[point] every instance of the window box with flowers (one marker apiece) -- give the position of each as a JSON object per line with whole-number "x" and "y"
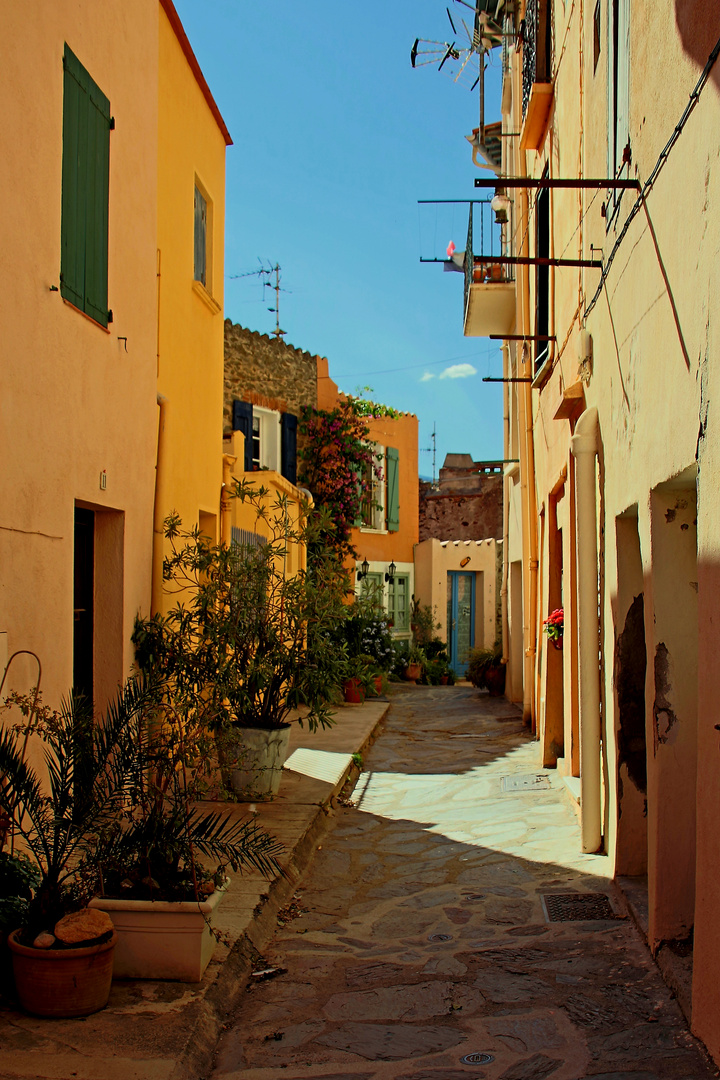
{"x": 553, "y": 627}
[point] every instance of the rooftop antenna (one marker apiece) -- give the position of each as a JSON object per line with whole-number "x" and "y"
{"x": 266, "y": 273}
{"x": 432, "y": 450}
{"x": 465, "y": 61}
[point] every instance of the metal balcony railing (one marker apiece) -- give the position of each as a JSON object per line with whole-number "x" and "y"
{"x": 537, "y": 47}
{"x": 481, "y": 219}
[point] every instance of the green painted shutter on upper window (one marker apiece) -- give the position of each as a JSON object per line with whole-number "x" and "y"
{"x": 200, "y": 237}
{"x": 393, "y": 489}
{"x": 85, "y": 189}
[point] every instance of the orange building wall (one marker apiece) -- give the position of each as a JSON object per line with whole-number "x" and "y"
{"x": 76, "y": 400}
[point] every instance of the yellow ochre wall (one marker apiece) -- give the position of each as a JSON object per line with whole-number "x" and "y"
{"x": 191, "y": 150}
{"x": 76, "y": 399}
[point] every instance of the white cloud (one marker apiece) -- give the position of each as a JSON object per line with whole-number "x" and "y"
{"x": 458, "y": 371}
{"x": 427, "y": 377}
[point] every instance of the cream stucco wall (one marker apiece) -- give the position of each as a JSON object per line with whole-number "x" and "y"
{"x": 654, "y": 368}
{"x": 76, "y": 400}
{"x": 435, "y": 559}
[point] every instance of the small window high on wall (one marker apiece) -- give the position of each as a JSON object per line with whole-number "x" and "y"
{"x": 203, "y": 237}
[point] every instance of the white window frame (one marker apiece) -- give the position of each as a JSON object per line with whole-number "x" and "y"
{"x": 270, "y": 438}
{"x": 378, "y": 492}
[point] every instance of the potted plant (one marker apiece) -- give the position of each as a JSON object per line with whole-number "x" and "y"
{"x": 58, "y": 821}
{"x": 117, "y": 819}
{"x": 554, "y": 626}
{"x": 415, "y": 661}
{"x": 248, "y": 648}
{"x": 486, "y": 669}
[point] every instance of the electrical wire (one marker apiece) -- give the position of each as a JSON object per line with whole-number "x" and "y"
{"x": 657, "y": 169}
{"x": 416, "y": 367}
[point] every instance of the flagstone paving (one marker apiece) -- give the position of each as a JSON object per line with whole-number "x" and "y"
{"x": 419, "y": 945}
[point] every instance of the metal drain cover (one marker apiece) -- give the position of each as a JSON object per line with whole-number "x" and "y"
{"x": 577, "y": 907}
{"x": 477, "y": 1058}
{"x": 532, "y": 782}
{"x": 440, "y": 937}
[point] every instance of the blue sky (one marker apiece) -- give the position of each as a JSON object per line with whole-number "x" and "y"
{"x": 336, "y": 138}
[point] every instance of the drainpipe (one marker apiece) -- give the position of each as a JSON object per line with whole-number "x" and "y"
{"x": 506, "y": 511}
{"x": 225, "y": 505}
{"x": 584, "y": 447}
{"x": 527, "y": 480}
{"x": 159, "y": 507}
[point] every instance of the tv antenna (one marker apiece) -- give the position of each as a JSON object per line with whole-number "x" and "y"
{"x": 464, "y": 59}
{"x": 431, "y": 450}
{"x": 265, "y": 273}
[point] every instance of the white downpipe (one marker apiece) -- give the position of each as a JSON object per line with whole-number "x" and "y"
{"x": 584, "y": 446}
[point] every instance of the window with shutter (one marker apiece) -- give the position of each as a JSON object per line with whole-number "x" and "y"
{"x": 393, "y": 489}
{"x": 242, "y": 420}
{"x": 85, "y": 191}
{"x": 288, "y": 447}
{"x": 201, "y": 217}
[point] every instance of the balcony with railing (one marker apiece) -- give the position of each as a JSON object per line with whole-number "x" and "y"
{"x": 489, "y": 281}
{"x": 537, "y": 85}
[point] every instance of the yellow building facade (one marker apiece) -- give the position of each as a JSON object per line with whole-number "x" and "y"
{"x": 192, "y": 139}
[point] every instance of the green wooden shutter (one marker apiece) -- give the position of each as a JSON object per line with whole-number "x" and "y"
{"x": 85, "y": 190}
{"x": 393, "y": 489}
{"x": 200, "y": 237}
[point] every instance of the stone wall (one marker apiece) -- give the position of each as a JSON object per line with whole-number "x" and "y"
{"x": 467, "y": 502}
{"x": 267, "y": 372}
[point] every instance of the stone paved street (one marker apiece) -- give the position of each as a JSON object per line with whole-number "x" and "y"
{"x": 420, "y": 934}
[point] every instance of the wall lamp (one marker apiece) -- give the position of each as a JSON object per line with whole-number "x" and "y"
{"x": 364, "y": 569}
{"x": 390, "y": 576}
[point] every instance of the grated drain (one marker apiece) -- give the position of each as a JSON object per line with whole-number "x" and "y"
{"x": 477, "y": 1058}
{"x": 532, "y": 782}
{"x": 577, "y": 907}
{"x": 440, "y": 937}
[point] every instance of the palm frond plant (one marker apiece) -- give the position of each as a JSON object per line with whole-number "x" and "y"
{"x": 89, "y": 770}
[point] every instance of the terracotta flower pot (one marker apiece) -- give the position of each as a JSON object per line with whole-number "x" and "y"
{"x": 495, "y": 679}
{"x": 63, "y": 982}
{"x": 444, "y": 679}
{"x": 378, "y": 684}
{"x": 352, "y": 692}
{"x": 413, "y": 672}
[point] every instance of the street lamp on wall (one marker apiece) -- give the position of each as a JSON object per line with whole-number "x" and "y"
{"x": 390, "y": 576}
{"x": 364, "y": 569}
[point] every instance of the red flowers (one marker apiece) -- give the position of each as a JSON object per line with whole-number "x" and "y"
{"x": 554, "y": 624}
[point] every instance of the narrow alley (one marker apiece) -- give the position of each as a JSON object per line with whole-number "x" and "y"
{"x": 449, "y": 927}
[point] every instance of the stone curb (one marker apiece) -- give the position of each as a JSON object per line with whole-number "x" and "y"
{"x": 196, "y": 1059}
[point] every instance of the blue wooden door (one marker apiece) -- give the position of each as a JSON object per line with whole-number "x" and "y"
{"x": 460, "y": 619}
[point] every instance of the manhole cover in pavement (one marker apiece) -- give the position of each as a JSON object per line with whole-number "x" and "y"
{"x": 477, "y": 1058}
{"x": 533, "y": 782}
{"x": 575, "y": 907}
{"x": 440, "y": 937}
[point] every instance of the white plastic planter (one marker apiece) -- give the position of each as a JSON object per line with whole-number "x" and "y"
{"x": 158, "y": 939}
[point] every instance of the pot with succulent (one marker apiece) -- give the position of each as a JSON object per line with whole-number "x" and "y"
{"x": 486, "y": 669}
{"x": 415, "y": 663}
{"x": 62, "y": 952}
{"x": 249, "y": 647}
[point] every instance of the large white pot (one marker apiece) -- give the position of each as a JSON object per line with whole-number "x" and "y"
{"x": 259, "y": 754}
{"x": 158, "y": 939}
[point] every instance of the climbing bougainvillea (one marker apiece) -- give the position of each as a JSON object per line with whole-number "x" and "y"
{"x": 338, "y": 465}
